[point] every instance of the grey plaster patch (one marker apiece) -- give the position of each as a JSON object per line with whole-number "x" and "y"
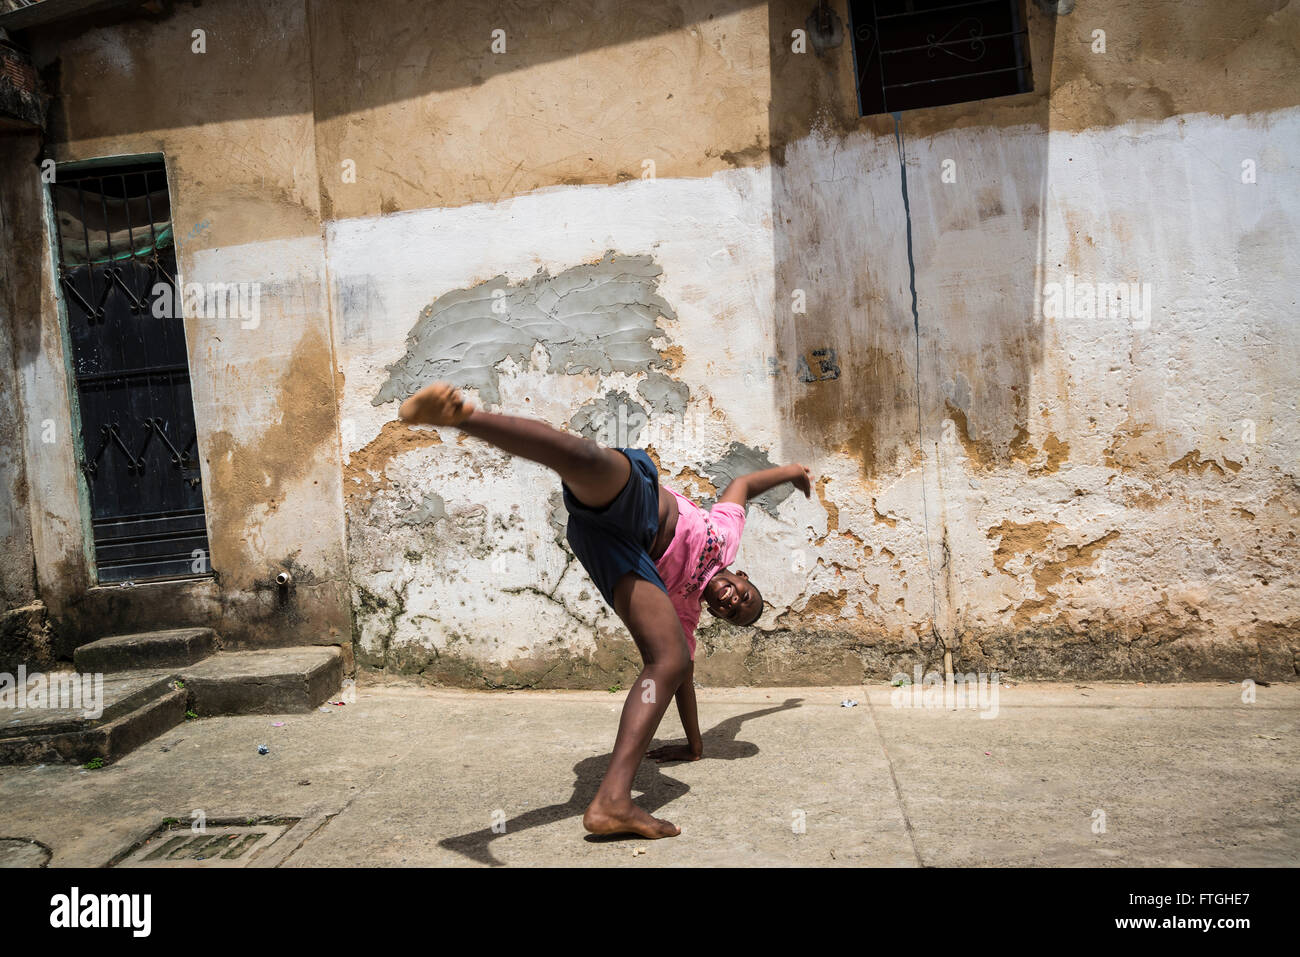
{"x": 615, "y": 419}
{"x": 558, "y": 516}
{"x": 958, "y": 392}
{"x": 741, "y": 459}
{"x": 596, "y": 317}
{"x": 431, "y": 510}
{"x": 664, "y": 394}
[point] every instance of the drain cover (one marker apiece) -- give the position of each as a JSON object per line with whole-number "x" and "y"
{"x": 218, "y": 845}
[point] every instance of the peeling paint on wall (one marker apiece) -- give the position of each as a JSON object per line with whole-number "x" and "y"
{"x": 1143, "y": 479}
{"x": 1068, "y": 437}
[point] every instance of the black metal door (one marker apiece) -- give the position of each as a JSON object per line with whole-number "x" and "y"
{"x": 117, "y": 259}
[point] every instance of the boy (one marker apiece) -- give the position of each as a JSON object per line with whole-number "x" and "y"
{"x": 653, "y": 554}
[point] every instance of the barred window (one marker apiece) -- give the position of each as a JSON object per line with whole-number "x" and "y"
{"x": 910, "y": 54}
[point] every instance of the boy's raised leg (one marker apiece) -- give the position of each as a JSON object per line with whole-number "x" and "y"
{"x": 595, "y": 474}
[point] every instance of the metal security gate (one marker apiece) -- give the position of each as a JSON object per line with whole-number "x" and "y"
{"x": 117, "y": 273}
{"x": 910, "y": 54}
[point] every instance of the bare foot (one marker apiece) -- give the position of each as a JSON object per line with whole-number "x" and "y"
{"x": 624, "y": 817}
{"x": 438, "y": 404}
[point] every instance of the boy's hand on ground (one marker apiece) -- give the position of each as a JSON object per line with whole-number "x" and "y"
{"x": 675, "y": 752}
{"x": 438, "y": 404}
{"x": 802, "y": 479}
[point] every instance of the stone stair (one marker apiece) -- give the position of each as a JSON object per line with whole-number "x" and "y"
{"x": 274, "y": 681}
{"x": 150, "y": 682}
{"x": 153, "y": 649}
{"x": 136, "y": 706}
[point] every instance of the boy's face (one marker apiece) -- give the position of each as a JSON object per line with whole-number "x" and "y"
{"x": 731, "y": 597}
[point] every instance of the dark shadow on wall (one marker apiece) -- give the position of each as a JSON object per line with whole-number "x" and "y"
{"x": 857, "y": 372}
{"x": 657, "y": 789}
{"x": 339, "y": 57}
{"x": 268, "y": 58}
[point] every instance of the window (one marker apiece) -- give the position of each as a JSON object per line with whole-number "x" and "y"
{"x": 910, "y": 54}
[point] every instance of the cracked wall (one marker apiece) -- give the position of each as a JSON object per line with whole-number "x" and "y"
{"x": 1046, "y": 494}
{"x": 589, "y": 337}
{"x": 991, "y": 480}
{"x": 236, "y": 130}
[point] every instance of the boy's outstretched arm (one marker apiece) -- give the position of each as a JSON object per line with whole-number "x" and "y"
{"x": 693, "y": 749}
{"x": 745, "y": 487}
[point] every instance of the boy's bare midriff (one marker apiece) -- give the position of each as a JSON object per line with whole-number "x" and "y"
{"x": 667, "y": 523}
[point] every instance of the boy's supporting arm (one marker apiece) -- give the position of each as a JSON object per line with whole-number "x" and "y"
{"x": 686, "y": 711}
{"x": 745, "y": 487}
{"x": 693, "y": 750}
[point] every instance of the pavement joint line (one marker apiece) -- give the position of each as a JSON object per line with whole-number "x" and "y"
{"x": 898, "y": 791}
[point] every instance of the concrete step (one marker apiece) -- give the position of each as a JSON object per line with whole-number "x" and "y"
{"x": 176, "y": 648}
{"x": 130, "y": 707}
{"x": 136, "y": 706}
{"x": 273, "y": 681}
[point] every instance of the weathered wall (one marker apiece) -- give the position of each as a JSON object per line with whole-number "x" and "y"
{"x": 1041, "y": 493}
{"x": 971, "y": 494}
{"x": 24, "y": 631}
{"x": 584, "y": 93}
{"x": 1043, "y": 552}
{"x": 451, "y": 544}
{"x": 235, "y": 125}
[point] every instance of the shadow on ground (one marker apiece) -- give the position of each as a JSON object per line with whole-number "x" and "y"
{"x": 657, "y": 789}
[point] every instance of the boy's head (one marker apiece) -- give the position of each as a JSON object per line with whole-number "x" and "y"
{"x": 732, "y": 597}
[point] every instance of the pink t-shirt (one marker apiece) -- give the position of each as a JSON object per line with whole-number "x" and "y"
{"x": 703, "y": 544}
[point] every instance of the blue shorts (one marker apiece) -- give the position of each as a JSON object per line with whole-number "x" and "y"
{"x": 616, "y": 539}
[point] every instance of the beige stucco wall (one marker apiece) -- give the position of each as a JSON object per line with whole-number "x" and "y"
{"x": 235, "y": 126}
{"x": 24, "y": 633}
{"x": 1039, "y": 493}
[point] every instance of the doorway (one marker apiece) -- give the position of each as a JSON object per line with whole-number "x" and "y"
{"x": 133, "y": 412}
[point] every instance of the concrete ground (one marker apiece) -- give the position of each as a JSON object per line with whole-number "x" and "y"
{"x": 408, "y": 775}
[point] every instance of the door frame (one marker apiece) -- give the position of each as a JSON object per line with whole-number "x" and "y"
{"x": 69, "y": 375}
